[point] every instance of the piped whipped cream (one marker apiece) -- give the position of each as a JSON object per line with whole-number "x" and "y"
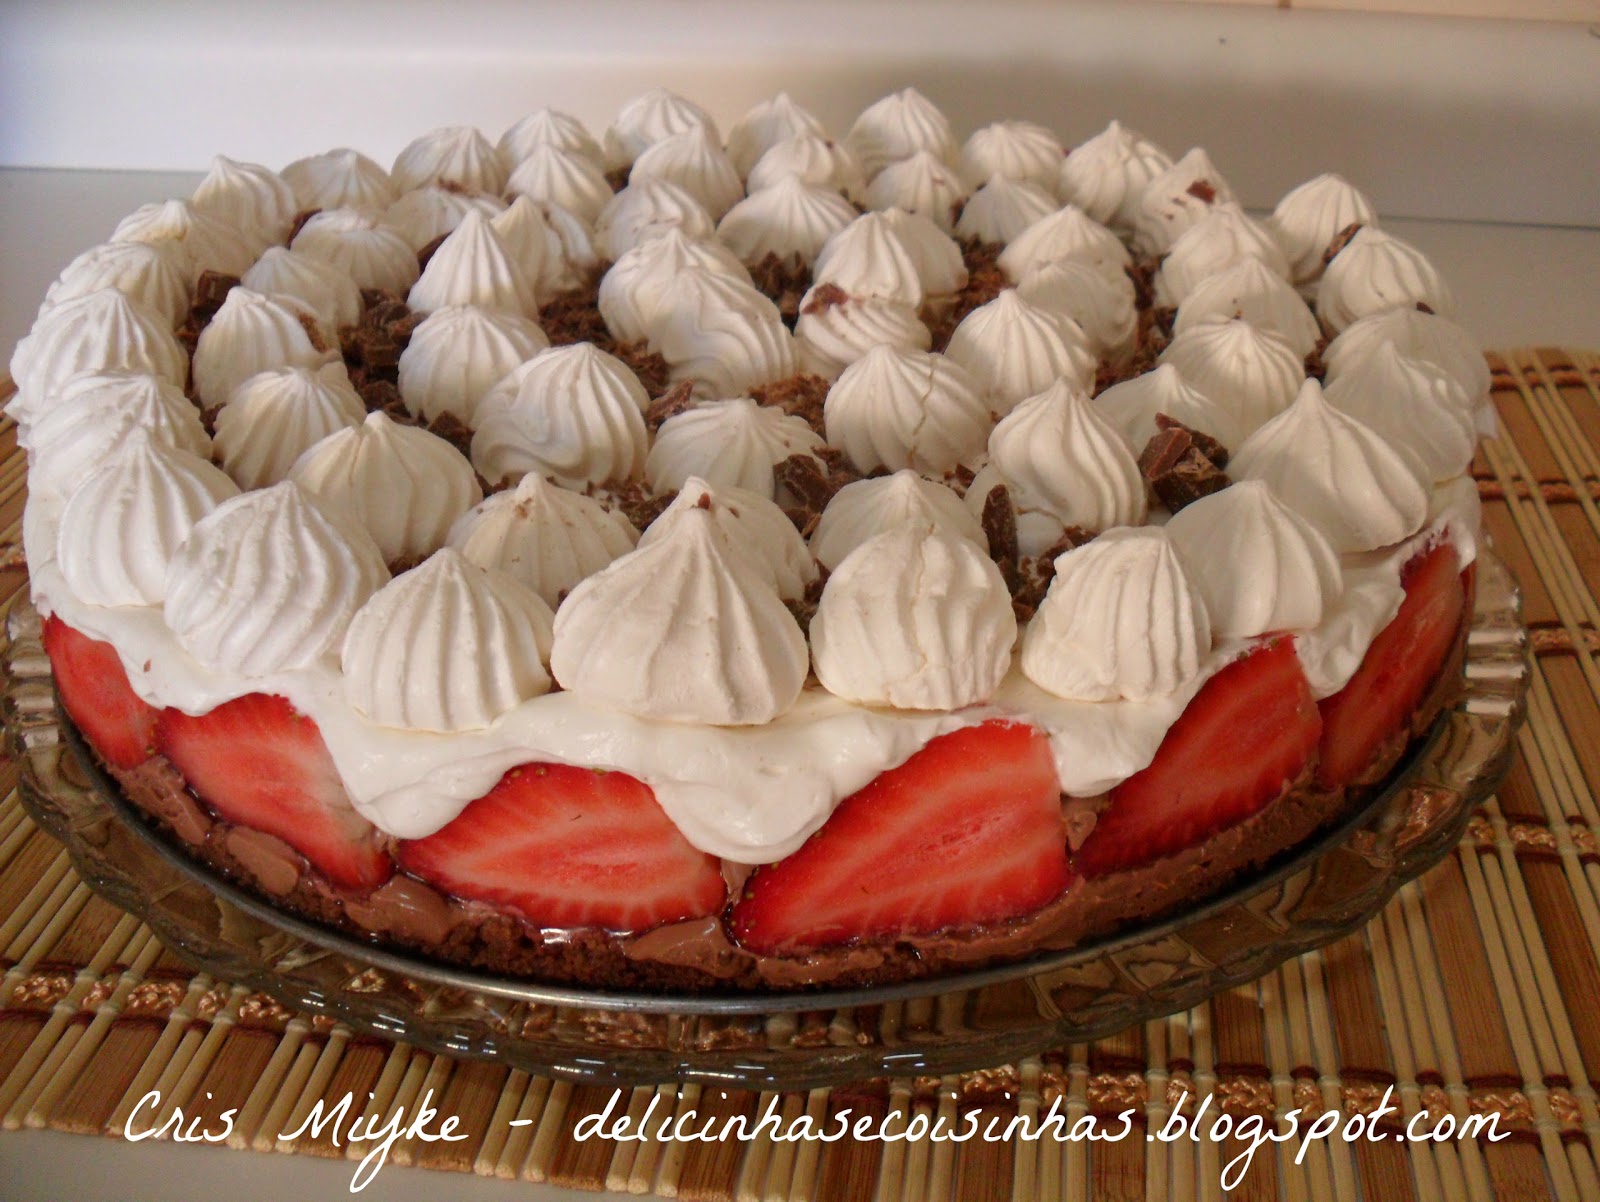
{"x": 319, "y": 287}
{"x": 924, "y": 184}
{"x": 748, "y": 524}
{"x": 897, "y": 127}
{"x": 550, "y": 538}
{"x": 1002, "y": 209}
{"x": 551, "y": 175}
{"x": 1017, "y": 350}
{"x": 1377, "y": 271}
{"x": 1251, "y": 290}
{"x": 1016, "y": 150}
{"x": 458, "y": 353}
{"x": 210, "y": 243}
{"x": 721, "y": 334}
{"x": 835, "y": 331}
{"x": 154, "y": 275}
{"x": 916, "y": 619}
{"x": 498, "y": 632}
{"x": 433, "y": 211}
{"x": 1311, "y": 216}
{"x": 572, "y": 413}
{"x": 644, "y": 209}
{"x": 268, "y": 581}
{"x": 456, "y": 156}
{"x": 1413, "y": 404}
{"x": 254, "y": 333}
{"x": 1425, "y": 336}
{"x": 473, "y": 267}
{"x": 899, "y": 408}
{"x": 337, "y": 179}
{"x": 682, "y": 629}
{"x": 813, "y": 158}
{"x": 102, "y": 331}
{"x": 1121, "y": 620}
{"x": 1103, "y": 305}
{"x": 1106, "y": 175}
{"x": 863, "y": 509}
{"x": 1252, "y": 373}
{"x": 633, "y": 292}
{"x": 249, "y": 197}
{"x": 405, "y": 485}
{"x": 766, "y": 124}
{"x": 735, "y": 442}
{"x": 694, "y": 160}
{"x": 1132, "y": 407}
{"x": 548, "y": 127}
{"x": 1067, "y": 233}
{"x": 791, "y": 220}
{"x": 1218, "y": 240}
{"x": 647, "y": 119}
{"x": 358, "y": 243}
{"x": 275, "y": 416}
{"x": 869, "y": 259}
{"x": 1363, "y": 491}
{"x": 1176, "y": 199}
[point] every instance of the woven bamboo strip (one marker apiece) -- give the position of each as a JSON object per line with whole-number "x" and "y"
{"x": 1559, "y": 424}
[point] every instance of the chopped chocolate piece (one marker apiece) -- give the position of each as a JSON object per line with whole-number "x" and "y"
{"x": 1035, "y": 572}
{"x": 1210, "y": 447}
{"x": 1425, "y": 307}
{"x": 1204, "y": 190}
{"x": 300, "y": 219}
{"x": 617, "y": 177}
{"x": 1000, "y": 527}
{"x": 805, "y": 520}
{"x": 313, "y": 329}
{"x": 209, "y": 293}
{"x": 427, "y": 252}
{"x": 1340, "y": 241}
{"x": 799, "y": 396}
{"x": 371, "y": 298}
{"x": 840, "y": 470}
{"x": 385, "y": 311}
{"x": 807, "y": 479}
{"x": 1163, "y": 452}
{"x": 574, "y": 317}
{"x": 380, "y": 396}
{"x": 1193, "y": 477}
{"x": 783, "y": 281}
{"x": 825, "y": 297}
{"x": 636, "y": 502}
{"x": 377, "y": 349}
{"x": 985, "y": 281}
{"x": 677, "y": 399}
{"x": 705, "y": 501}
{"x": 648, "y": 365}
{"x": 454, "y": 431}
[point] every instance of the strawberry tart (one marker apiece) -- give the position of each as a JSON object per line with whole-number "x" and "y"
{"x": 677, "y": 559}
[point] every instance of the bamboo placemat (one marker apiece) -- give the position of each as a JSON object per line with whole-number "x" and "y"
{"x": 1476, "y": 991}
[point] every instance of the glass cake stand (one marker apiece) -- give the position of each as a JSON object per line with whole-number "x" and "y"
{"x": 1312, "y": 895}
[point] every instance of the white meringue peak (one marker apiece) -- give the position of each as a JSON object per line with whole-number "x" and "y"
{"x": 1002, "y": 209}
{"x": 99, "y": 331}
{"x": 1014, "y": 150}
{"x": 863, "y": 509}
{"x": 633, "y": 289}
{"x": 1216, "y": 241}
{"x": 551, "y": 244}
{"x": 126, "y": 519}
{"x": 249, "y": 197}
{"x": 473, "y": 267}
{"x": 268, "y": 581}
{"x": 1340, "y": 473}
{"x": 916, "y": 619}
{"x": 456, "y": 155}
{"x": 647, "y": 119}
{"x": 682, "y": 630}
{"x": 273, "y": 417}
{"x": 897, "y": 127}
{"x": 1016, "y": 350}
{"x": 644, "y": 210}
{"x": 1103, "y": 305}
{"x": 546, "y": 536}
{"x": 721, "y": 334}
{"x": 748, "y": 524}
{"x": 1067, "y": 233}
{"x": 405, "y": 485}
{"x": 549, "y": 127}
{"x": 338, "y": 179}
{"x": 1253, "y": 374}
{"x": 906, "y": 408}
{"x": 1132, "y": 405}
{"x": 1425, "y": 336}
{"x": 330, "y": 294}
{"x": 360, "y": 245}
{"x": 924, "y": 184}
{"x": 1106, "y": 175}
{"x": 938, "y": 258}
{"x": 458, "y": 353}
{"x": 792, "y": 220}
{"x": 1258, "y": 564}
{"x": 572, "y": 413}
{"x": 432, "y": 211}
{"x": 1057, "y": 455}
{"x": 1176, "y": 199}
{"x": 764, "y": 126}
{"x": 815, "y": 159}
{"x": 1413, "y": 404}
{"x": 1311, "y": 216}
{"x": 152, "y": 274}
{"x": 551, "y": 175}
{"x": 735, "y": 442}
{"x": 1121, "y": 620}
{"x": 211, "y": 244}
{"x": 1374, "y": 272}
{"x": 869, "y": 259}
{"x": 1251, "y": 290}
{"x": 496, "y": 631}
{"x": 253, "y": 333}
{"x": 694, "y": 160}
{"x": 835, "y": 330}
{"x": 93, "y": 414}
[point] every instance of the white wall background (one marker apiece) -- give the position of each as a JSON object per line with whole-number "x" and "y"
{"x": 1435, "y": 117}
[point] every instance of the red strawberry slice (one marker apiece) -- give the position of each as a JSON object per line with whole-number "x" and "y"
{"x": 260, "y": 763}
{"x": 1250, "y": 730}
{"x": 1398, "y": 670}
{"x": 570, "y": 847}
{"x": 966, "y": 831}
{"x": 94, "y": 689}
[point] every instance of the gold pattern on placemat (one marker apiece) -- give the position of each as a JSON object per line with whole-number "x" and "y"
{"x": 1475, "y": 992}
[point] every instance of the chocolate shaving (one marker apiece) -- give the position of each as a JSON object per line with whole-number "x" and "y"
{"x": 704, "y": 502}
{"x": 574, "y": 316}
{"x": 985, "y": 281}
{"x": 617, "y": 177}
{"x": 840, "y": 470}
{"x": 300, "y": 219}
{"x": 637, "y": 503}
{"x": 1000, "y": 527}
{"x": 427, "y": 252}
{"x": 211, "y": 290}
{"x": 804, "y": 608}
{"x": 784, "y": 281}
{"x": 1210, "y": 447}
{"x": 825, "y": 297}
{"x": 677, "y": 399}
{"x": 1163, "y": 452}
{"x": 1340, "y": 241}
{"x": 807, "y": 479}
{"x": 799, "y": 396}
{"x": 1035, "y": 572}
{"x": 804, "y": 520}
{"x": 1178, "y": 472}
{"x": 1203, "y": 190}
{"x": 454, "y": 431}
{"x": 381, "y": 396}
{"x": 314, "y": 331}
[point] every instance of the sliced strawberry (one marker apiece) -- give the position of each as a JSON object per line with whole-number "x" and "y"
{"x": 1250, "y": 730}
{"x": 966, "y": 831}
{"x": 260, "y": 763}
{"x": 94, "y": 689}
{"x": 570, "y": 847}
{"x": 1398, "y": 670}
